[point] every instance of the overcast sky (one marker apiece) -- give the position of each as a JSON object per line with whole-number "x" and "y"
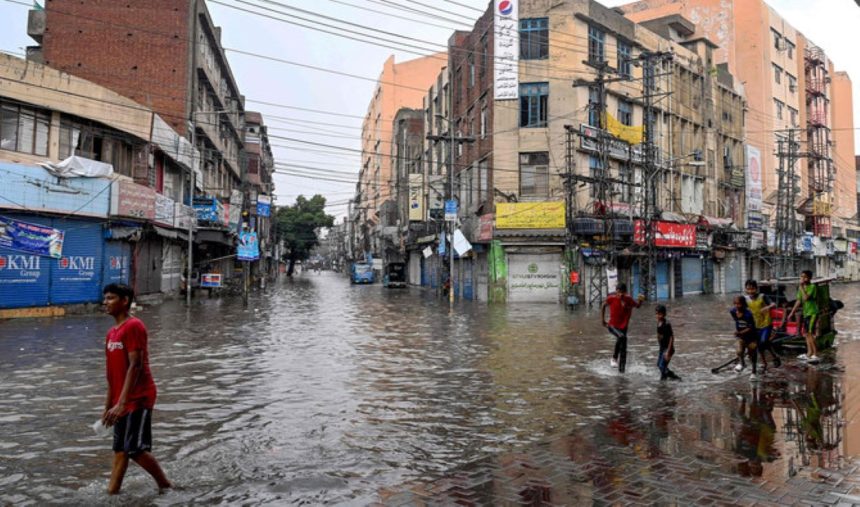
{"x": 832, "y": 24}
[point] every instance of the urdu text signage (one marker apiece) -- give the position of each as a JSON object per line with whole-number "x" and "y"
{"x": 530, "y": 215}
{"x": 506, "y": 47}
{"x": 128, "y": 199}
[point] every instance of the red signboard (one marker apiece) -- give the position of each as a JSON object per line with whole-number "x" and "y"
{"x": 486, "y": 227}
{"x": 131, "y": 200}
{"x": 574, "y": 277}
{"x": 669, "y": 234}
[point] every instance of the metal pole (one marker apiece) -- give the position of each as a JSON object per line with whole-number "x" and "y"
{"x": 451, "y": 186}
{"x": 192, "y": 218}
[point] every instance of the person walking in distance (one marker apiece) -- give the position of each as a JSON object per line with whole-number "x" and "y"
{"x": 807, "y": 295}
{"x": 620, "y": 308}
{"x": 130, "y": 392}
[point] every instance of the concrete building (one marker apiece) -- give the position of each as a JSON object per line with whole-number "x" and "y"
{"x": 166, "y": 55}
{"x": 128, "y": 226}
{"x": 510, "y": 182}
{"x": 407, "y": 151}
{"x": 791, "y": 84}
{"x": 260, "y": 164}
{"x": 400, "y": 85}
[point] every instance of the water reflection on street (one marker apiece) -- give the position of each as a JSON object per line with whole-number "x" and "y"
{"x": 325, "y": 392}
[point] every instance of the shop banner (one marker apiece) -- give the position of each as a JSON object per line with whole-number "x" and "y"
{"x": 672, "y": 235}
{"x": 486, "y": 227}
{"x": 210, "y": 280}
{"x": 753, "y": 179}
{"x": 128, "y": 199}
{"x": 416, "y": 197}
{"x": 506, "y": 48}
{"x": 249, "y": 248}
{"x": 31, "y": 238}
{"x": 530, "y": 215}
{"x": 264, "y": 206}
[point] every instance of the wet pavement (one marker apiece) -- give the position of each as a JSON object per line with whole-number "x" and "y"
{"x": 322, "y": 392}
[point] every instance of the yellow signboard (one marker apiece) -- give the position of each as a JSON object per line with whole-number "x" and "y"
{"x": 530, "y": 215}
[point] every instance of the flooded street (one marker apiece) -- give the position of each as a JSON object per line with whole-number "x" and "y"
{"x": 322, "y": 392}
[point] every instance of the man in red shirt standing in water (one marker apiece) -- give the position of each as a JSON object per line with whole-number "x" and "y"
{"x": 620, "y": 308}
{"x": 131, "y": 390}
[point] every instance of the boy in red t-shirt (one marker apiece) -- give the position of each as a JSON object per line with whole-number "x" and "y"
{"x": 131, "y": 390}
{"x": 620, "y": 308}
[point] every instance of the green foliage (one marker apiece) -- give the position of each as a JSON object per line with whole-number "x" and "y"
{"x": 297, "y": 226}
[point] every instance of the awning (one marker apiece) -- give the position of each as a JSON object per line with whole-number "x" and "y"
{"x": 715, "y": 223}
{"x": 123, "y": 232}
{"x": 213, "y": 236}
{"x": 670, "y": 216}
{"x": 165, "y": 233}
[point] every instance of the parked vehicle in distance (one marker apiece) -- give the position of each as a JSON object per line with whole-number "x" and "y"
{"x": 395, "y": 275}
{"x": 361, "y": 272}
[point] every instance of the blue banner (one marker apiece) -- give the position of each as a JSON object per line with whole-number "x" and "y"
{"x": 31, "y": 238}
{"x": 249, "y": 248}
{"x": 264, "y": 209}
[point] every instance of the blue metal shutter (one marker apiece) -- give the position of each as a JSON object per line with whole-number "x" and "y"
{"x": 662, "y": 279}
{"x": 77, "y": 276}
{"x": 117, "y": 262}
{"x": 24, "y": 277}
{"x": 468, "y": 270}
{"x": 733, "y": 273}
{"x": 691, "y": 274}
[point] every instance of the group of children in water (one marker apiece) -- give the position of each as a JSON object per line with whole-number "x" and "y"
{"x": 751, "y": 313}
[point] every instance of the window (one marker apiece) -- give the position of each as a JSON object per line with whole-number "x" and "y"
{"x": 533, "y": 104}
{"x": 593, "y": 106}
{"x": 484, "y": 121}
{"x": 534, "y": 174}
{"x": 595, "y": 170}
{"x": 779, "y": 105}
{"x": 624, "y": 59}
{"x": 790, "y": 46}
{"x": 596, "y": 39}
{"x": 471, "y": 70}
{"x": 777, "y": 74}
{"x": 777, "y": 39}
{"x": 623, "y": 188}
{"x": 793, "y": 115}
{"x": 625, "y": 112}
{"x": 534, "y": 38}
{"x": 24, "y": 129}
{"x": 792, "y": 83}
{"x": 485, "y": 53}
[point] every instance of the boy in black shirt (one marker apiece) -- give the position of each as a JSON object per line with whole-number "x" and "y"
{"x": 666, "y": 341}
{"x": 746, "y": 334}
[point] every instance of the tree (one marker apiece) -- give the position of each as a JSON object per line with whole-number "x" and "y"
{"x": 297, "y": 227}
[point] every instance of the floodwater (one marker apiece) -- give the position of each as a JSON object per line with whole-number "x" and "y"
{"x": 323, "y": 392}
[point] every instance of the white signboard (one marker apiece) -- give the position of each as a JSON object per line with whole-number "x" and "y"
{"x": 506, "y": 47}
{"x": 753, "y": 177}
{"x": 461, "y": 244}
{"x": 416, "y": 197}
{"x": 534, "y": 278}
{"x": 427, "y": 252}
{"x": 165, "y": 210}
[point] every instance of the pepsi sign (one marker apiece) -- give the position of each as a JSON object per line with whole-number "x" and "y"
{"x": 506, "y": 7}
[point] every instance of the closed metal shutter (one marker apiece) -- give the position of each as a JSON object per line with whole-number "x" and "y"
{"x": 733, "y": 273}
{"x": 534, "y": 278}
{"x": 415, "y": 268}
{"x": 117, "y": 263}
{"x": 24, "y": 277}
{"x": 147, "y": 266}
{"x": 77, "y": 276}
{"x": 171, "y": 266}
{"x": 662, "y": 276}
{"x": 691, "y": 274}
{"x": 468, "y": 291}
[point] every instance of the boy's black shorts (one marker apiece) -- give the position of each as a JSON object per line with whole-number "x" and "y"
{"x": 132, "y": 433}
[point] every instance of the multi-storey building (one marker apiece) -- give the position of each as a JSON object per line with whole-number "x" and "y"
{"x": 407, "y": 159}
{"x": 120, "y": 224}
{"x": 166, "y": 55}
{"x": 260, "y": 164}
{"x": 400, "y": 85}
{"x": 526, "y": 98}
{"x": 792, "y": 87}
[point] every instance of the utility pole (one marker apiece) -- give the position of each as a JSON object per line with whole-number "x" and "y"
{"x": 193, "y": 218}
{"x": 451, "y": 138}
{"x": 648, "y": 269}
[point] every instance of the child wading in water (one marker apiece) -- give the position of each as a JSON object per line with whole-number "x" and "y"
{"x": 745, "y": 332}
{"x": 666, "y": 341}
{"x": 760, "y": 305}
